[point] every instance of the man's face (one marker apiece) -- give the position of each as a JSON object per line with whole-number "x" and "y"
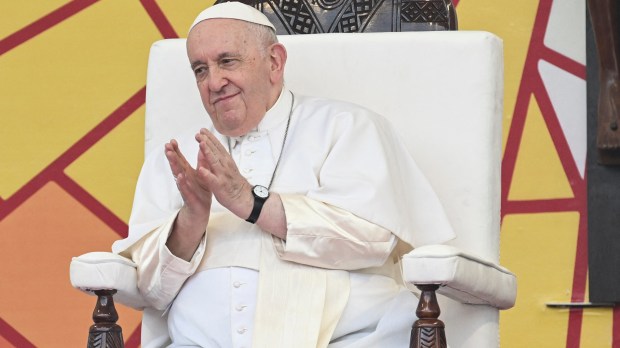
{"x": 233, "y": 74}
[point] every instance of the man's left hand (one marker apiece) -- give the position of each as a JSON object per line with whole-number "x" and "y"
{"x": 218, "y": 171}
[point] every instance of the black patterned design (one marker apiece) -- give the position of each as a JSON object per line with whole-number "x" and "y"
{"x": 423, "y": 11}
{"x": 329, "y": 4}
{"x": 111, "y": 339}
{"x": 347, "y": 16}
{"x": 428, "y": 337}
{"x": 355, "y": 15}
{"x": 298, "y": 17}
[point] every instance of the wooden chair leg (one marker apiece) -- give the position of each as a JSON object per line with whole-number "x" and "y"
{"x": 428, "y": 331}
{"x": 105, "y": 333}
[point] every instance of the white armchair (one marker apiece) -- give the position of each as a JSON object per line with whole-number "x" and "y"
{"x": 442, "y": 90}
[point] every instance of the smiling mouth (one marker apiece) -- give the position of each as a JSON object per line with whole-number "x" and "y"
{"x": 223, "y": 98}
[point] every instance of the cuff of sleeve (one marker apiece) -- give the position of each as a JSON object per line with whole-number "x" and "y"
{"x": 172, "y": 263}
{"x": 173, "y": 271}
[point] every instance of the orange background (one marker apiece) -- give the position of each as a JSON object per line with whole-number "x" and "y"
{"x": 72, "y": 77}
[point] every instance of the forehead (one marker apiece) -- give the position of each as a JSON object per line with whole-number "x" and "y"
{"x": 220, "y": 34}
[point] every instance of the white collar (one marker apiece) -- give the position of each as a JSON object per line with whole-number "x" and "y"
{"x": 278, "y": 113}
{"x": 274, "y": 117}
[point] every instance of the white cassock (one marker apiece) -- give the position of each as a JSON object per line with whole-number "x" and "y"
{"x": 354, "y": 202}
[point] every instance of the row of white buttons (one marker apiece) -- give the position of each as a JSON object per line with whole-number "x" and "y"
{"x": 252, "y": 154}
{"x": 243, "y": 295}
{"x": 239, "y": 307}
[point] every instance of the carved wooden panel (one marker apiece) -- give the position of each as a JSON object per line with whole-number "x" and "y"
{"x": 348, "y": 16}
{"x": 428, "y": 337}
{"x": 105, "y": 340}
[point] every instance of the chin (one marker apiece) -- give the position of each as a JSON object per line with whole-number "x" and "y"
{"x": 231, "y": 130}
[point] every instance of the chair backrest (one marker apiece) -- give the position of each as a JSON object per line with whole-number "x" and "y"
{"x": 356, "y": 16}
{"x": 442, "y": 90}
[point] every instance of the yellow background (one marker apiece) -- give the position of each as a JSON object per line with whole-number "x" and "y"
{"x": 67, "y": 178}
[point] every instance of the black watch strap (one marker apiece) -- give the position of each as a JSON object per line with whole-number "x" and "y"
{"x": 258, "y": 207}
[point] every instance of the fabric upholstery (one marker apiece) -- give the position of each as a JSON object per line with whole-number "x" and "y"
{"x": 463, "y": 277}
{"x": 104, "y": 271}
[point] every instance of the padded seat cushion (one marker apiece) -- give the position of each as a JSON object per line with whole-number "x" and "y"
{"x": 463, "y": 277}
{"x": 104, "y": 271}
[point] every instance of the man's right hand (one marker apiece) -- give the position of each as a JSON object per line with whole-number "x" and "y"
{"x": 191, "y": 222}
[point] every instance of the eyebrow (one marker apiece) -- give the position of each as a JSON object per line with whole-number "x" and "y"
{"x": 219, "y": 57}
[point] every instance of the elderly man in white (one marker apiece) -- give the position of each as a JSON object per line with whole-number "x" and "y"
{"x": 281, "y": 222}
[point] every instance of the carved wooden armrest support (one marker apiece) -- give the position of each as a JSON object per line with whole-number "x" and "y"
{"x": 428, "y": 331}
{"x": 105, "y": 333}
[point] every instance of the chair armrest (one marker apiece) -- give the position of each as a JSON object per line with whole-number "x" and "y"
{"x": 106, "y": 271}
{"x": 461, "y": 276}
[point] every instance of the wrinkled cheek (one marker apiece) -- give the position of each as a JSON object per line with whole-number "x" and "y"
{"x": 204, "y": 96}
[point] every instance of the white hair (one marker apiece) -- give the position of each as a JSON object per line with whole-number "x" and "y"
{"x": 264, "y": 35}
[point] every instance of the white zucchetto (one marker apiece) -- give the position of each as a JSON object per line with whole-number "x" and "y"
{"x": 233, "y": 10}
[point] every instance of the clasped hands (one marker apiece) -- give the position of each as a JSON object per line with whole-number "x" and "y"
{"x": 216, "y": 174}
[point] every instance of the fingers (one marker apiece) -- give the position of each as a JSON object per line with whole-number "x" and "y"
{"x": 212, "y": 155}
{"x": 195, "y": 194}
{"x": 178, "y": 163}
{"x": 218, "y": 171}
{"x": 213, "y": 142}
{"x": 180, "y": 167}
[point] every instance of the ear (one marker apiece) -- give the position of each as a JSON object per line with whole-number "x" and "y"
{"x": 277, "y": 54}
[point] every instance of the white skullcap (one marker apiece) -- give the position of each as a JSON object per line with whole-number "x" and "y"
{"x": 233, "y": 10}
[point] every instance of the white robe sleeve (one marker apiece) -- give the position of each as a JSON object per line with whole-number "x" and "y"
{"x": 156, "y": 204}
{"x": 366, "y": 169}
{"x": 160, "y": 273}
{"x": 325, "y": 236}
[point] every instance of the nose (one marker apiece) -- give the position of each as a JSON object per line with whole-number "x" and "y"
{"x": 216, "y": 79}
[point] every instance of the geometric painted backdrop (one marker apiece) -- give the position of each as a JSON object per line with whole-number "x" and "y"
{"x": 71, "y": 144}
{"x": 72, "y": 93}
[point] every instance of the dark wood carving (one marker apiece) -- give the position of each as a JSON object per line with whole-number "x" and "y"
{"x": 604, "y": 22}
{"x": 350, "y": 16}
{"x": 428, "y": 331}
{"x": 105, "y": 333}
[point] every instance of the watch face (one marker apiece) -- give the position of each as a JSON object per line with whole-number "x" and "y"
{"x": 261, "y": 191}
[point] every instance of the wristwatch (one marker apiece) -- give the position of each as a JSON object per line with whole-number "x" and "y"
{"x": 260, "y": 193}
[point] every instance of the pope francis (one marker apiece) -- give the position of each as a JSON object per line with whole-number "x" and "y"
{"x": 282, "y": 221}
